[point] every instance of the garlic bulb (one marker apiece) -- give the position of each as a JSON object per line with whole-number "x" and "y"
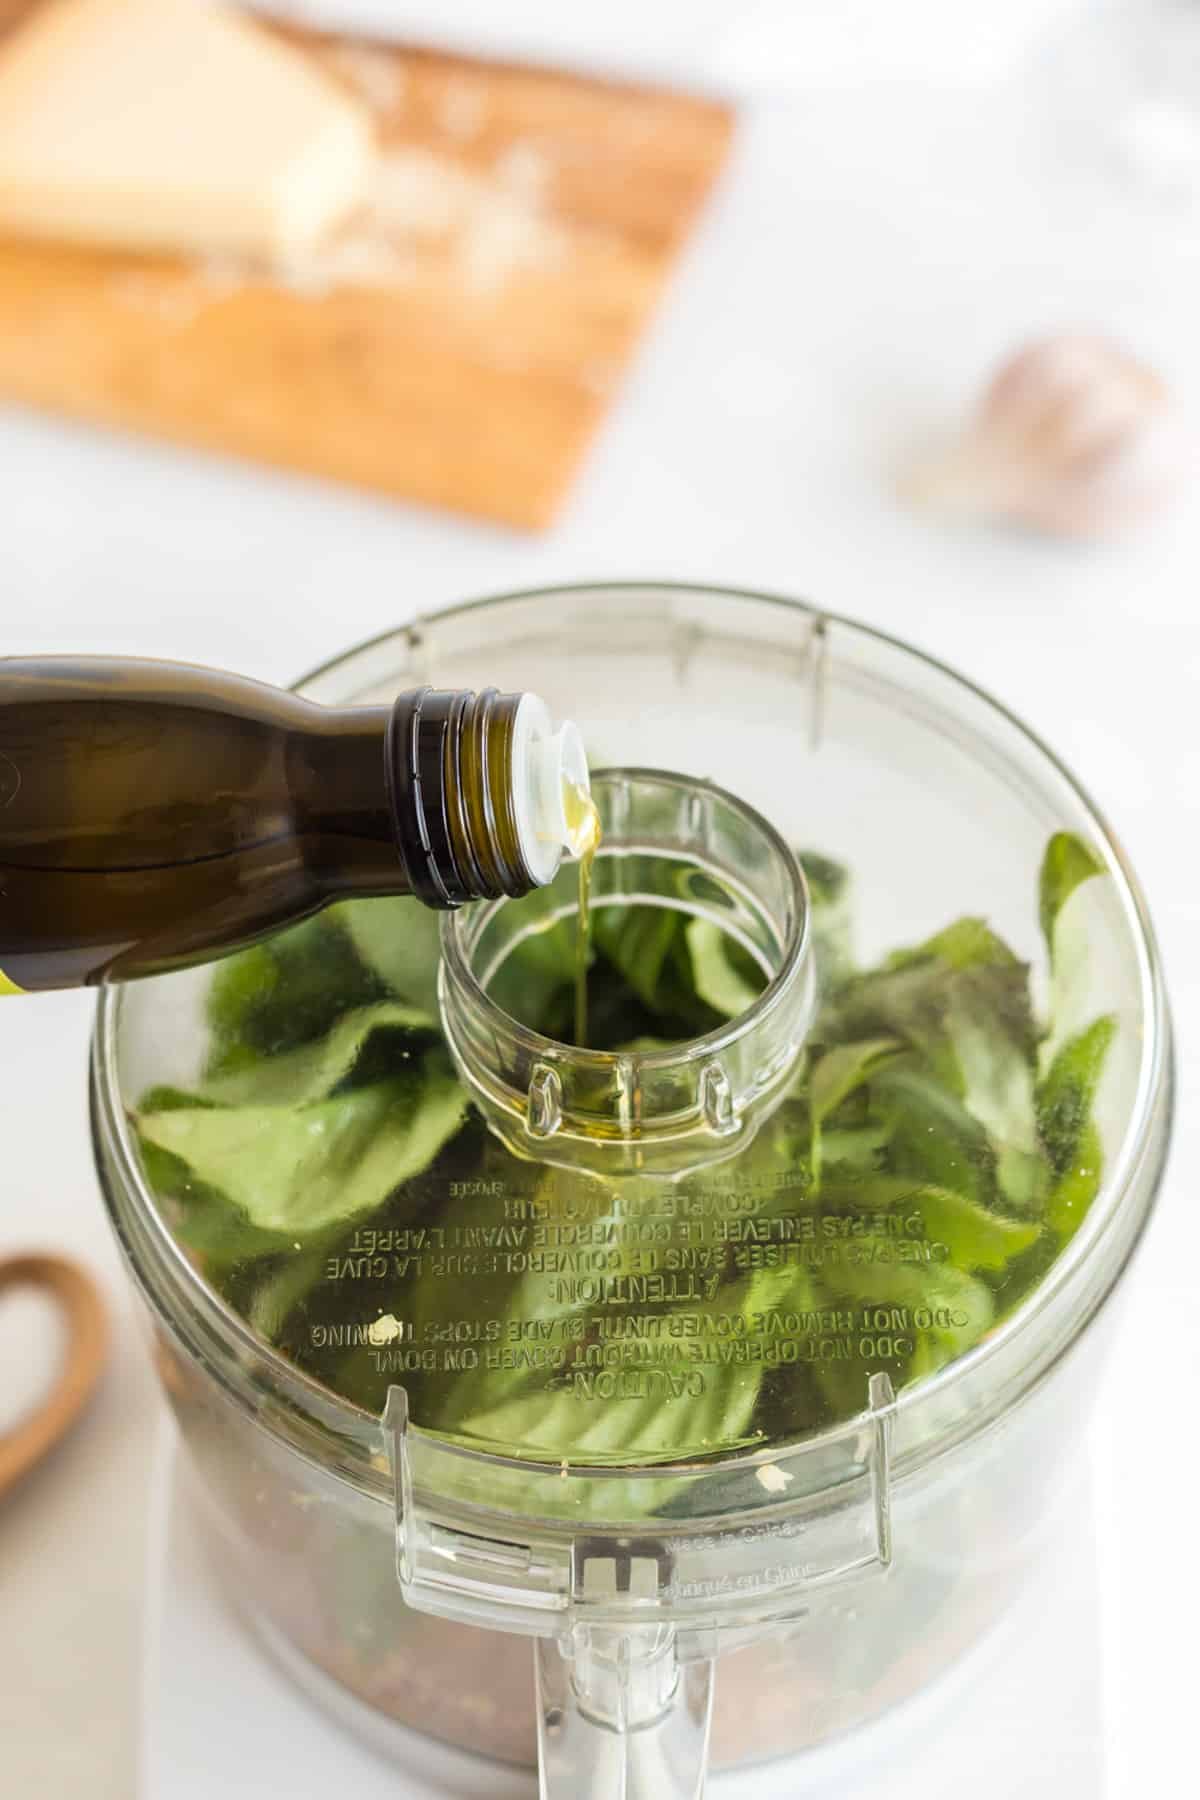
{"x": 1073, "y": 435}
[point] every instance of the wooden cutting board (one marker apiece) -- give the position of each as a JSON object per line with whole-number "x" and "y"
{"x": 458, "y": 344}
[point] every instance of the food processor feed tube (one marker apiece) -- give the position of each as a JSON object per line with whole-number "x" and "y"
{"x": 154, "y": 815}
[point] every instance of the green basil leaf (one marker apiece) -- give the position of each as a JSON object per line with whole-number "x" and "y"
{"x": 967, "y": 944}
{"x": 1067, "y": 862}
{"x": 536, "y": 981}
{"x": 960, "y": 1306}
{"x": 385, "y": 1036}
{"x": 284, "y": 992}
{"x": 855, "y": 1146}
{"x": 932, "y": 1313}
{"x": 830, "y": 893}
{"x": 222, "y": 1236}
{"x": 907, "y": 1003}
{"x": 990, "y": 1024}
{"x": 1066, "y": 1094}
{"x": 720, "y": 981}
{"x": 647, "y": 947}
{"x": 399, "y": 941}
{"x": 659, "y": 1411}
{"x": 840, "y": 1070}
{"x": 297, "y": 1171}
{"x": 168, "y": 1098}
{"x": 835, "y": 1076}
{"x": 284, "y": 1288}
{"x": 961, "y": 1001}
{"x": 638, "y": 942}
{"x": 932, "y": 1137}
{"x": 1077, "y": 1185}
{"x": 975, "y": 1236}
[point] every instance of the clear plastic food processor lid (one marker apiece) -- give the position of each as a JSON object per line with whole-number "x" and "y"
{"x": 820, "y": 1094}
{"x": 641, "y": 1260}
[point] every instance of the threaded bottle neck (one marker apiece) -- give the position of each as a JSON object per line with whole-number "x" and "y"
{"x": 475, "y": 789}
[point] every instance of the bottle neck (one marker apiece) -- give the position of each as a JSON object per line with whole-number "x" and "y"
{"x": 337, "y": 768}
{"x": 450, "y": 795}
{"x": 452, "y": 782}
{"x": 478, "y": 785}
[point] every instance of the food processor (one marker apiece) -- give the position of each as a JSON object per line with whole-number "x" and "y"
{"x": 669, "y": 1452}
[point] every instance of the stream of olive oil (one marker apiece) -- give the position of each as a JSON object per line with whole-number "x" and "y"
{"x": 583, "y": 822}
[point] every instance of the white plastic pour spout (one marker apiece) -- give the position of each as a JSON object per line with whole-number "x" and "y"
{"x": 549, "y": 769}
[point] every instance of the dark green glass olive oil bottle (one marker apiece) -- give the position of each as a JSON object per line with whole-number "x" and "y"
{"x": 154, "y": 815}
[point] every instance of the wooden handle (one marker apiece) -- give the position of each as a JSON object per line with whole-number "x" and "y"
{"x": 87, "y": 1339}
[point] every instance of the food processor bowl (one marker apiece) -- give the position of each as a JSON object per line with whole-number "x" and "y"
{"x": 624, "y": 1619}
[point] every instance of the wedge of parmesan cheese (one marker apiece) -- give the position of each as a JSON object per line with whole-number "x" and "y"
{"x": 173, "y": 125}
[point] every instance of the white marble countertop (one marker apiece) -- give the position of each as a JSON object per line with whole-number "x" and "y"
{"x": 868, "y": 256}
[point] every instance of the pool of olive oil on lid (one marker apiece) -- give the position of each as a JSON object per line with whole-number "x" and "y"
{"x": 931, "y": 1155}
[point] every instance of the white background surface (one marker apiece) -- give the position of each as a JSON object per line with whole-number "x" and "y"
{"x": 756, "y": 44}
{"x": 869, "y": 256}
